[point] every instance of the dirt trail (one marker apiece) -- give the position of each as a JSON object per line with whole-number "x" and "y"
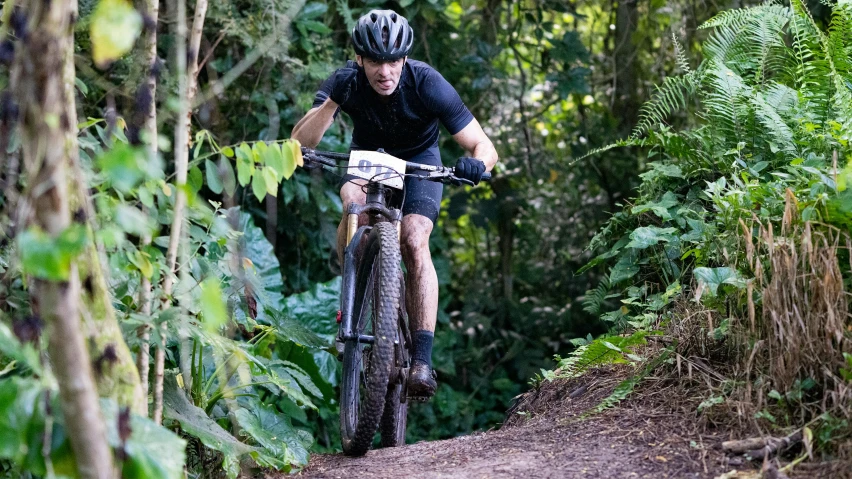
{"x": 638, "y": 440}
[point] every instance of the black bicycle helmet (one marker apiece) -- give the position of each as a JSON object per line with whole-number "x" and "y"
{"x": 382, "y": 35}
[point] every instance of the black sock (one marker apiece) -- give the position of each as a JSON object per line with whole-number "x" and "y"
{"x": 423, "y": 346}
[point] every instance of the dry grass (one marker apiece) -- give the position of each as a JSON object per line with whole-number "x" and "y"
{"x": 802, "y": 332}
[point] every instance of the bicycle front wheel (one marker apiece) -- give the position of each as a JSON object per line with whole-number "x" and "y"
{"x": 366, "y": 367}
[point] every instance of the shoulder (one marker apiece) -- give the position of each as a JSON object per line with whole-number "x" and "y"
{"x": 421, "y": 70}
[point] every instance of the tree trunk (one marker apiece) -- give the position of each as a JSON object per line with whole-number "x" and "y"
{"x": 625, "y": 100}
{"x": 186, "y": 71}
{"x": 48, "y": 141}
{"x": 145, "y": 125}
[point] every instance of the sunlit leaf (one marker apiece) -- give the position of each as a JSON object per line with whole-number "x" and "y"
{"x": 245, "y": 164}
{"x": 270, "y": 177}
{"x": 288, "y": 160}
{"x": 114, "y": 28}
{"x": 212, "y": 306}
{"x": 258, "y": 187}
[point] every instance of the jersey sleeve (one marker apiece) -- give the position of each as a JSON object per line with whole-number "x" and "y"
{"x": 326, "y": 87}
{"x": 444, "y": 101}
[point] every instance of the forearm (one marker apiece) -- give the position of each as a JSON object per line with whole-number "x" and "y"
{"x": 486, "y": 152}
{"x": 310, "y": 129}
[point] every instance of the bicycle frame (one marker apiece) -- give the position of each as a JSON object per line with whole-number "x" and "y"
{"x": 375, "y": 206}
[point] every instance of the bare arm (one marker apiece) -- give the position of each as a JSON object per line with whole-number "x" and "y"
{"x": 477, "y": 144}
{"x": 310, "y": 129}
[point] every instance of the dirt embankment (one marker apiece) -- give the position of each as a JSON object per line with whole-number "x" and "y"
{"x": 649, "y": 436}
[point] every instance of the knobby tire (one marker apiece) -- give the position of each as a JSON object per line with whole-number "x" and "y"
{"x": 395, "y": 416}
{"x": 377, "y": 296}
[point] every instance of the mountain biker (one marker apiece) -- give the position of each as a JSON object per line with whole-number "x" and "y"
{"x": 396, "y": 103}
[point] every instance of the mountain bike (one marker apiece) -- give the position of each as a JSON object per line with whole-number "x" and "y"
{"x": 373, "y": 322}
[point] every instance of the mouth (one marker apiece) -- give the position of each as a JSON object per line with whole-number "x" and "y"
{"x": 385, "y": 84}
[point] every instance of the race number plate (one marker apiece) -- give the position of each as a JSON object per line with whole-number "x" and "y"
{"x": 379, "y": 167}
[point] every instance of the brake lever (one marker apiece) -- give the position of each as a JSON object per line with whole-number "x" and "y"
{"x": 455, "y": 180}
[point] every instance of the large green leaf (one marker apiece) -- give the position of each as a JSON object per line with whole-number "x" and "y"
{"x": 214, "y": 181}
{"x": 316, "y": 308}
{"x": 264, "y": 275}
{"x": 153, "y": 452}
{"x": 659, "y": 208}
{"x": 713, "y": 277}
{"x": 195, "y": 422}
{"x": 18, "y": 402}
{"x": 275, "y": 433}
{"x": 646, "y": 236}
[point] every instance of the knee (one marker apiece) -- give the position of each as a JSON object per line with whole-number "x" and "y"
{"x": 415, "y": 244}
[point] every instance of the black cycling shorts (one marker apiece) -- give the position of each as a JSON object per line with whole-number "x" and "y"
{"x": 422, "y": 197}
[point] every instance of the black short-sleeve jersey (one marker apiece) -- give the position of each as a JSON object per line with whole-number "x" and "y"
{"x": 405, "y": 123}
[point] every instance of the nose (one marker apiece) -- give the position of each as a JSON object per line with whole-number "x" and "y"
{"x": 384, "y": 70}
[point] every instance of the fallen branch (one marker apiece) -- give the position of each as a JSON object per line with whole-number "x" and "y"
{"x": 760, "y": 447}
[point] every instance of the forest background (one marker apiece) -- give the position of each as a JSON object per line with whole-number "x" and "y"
{"x": 244, "y": 292}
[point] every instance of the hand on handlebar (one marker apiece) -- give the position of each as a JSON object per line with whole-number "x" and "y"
{"x": 470, "y": 169}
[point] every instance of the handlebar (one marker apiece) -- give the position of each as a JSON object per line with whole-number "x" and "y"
{"x": 443, "y": 174}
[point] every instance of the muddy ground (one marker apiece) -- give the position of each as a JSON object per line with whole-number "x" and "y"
{"x": 650, "y": 435}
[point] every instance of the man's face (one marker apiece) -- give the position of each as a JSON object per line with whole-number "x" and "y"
{"x": 383, "y": 76}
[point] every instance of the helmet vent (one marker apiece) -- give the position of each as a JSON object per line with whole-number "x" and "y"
{"x": 374, "y": 17}
{"x": 393, "y": 17}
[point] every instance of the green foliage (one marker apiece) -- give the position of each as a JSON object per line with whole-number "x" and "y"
{"x": 150, "y": 451}
{"x": 48, "y": 258}
{"x": 764, "y": 129}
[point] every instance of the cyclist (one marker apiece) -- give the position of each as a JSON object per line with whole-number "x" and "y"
{"x": 396, "y": 103}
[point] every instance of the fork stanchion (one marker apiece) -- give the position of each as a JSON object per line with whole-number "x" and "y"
{"x": 351, "y": 227}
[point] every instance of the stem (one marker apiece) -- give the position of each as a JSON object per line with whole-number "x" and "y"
{"x": 48, "y": 142}
{"x": 181, "y": 152}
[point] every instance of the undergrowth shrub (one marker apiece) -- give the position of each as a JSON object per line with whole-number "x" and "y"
{"x": 737, "y": 243}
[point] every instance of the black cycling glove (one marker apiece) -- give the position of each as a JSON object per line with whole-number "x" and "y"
{"x": 345, "y": 81}
{"x": 470, "y": 169}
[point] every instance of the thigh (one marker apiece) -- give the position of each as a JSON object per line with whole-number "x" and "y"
{"x": 423, "y": 197}
{"x": 352, "y": 191}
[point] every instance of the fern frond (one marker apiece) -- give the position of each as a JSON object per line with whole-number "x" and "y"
{"x": 596, "y": 151}
{"x": 605, "y": 350}
{"x": 726, "y": 100}
{"x": 595, "y": 297}
{"x": 680, "y": 55}
{"x": 626, "y": 387}
{"x": 669, "y": 97}
{"x": 775, "y": 128}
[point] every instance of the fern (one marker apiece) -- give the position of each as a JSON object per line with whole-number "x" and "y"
{"x": 605, "y": 350}
{"x": 595, "y": 298}
{"x": 626, "y": 387}
{"x": 680, "y": 55}
{"x": 669, "y": 97}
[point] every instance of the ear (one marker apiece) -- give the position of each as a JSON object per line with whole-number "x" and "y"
{"x": 359, "y": 60}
